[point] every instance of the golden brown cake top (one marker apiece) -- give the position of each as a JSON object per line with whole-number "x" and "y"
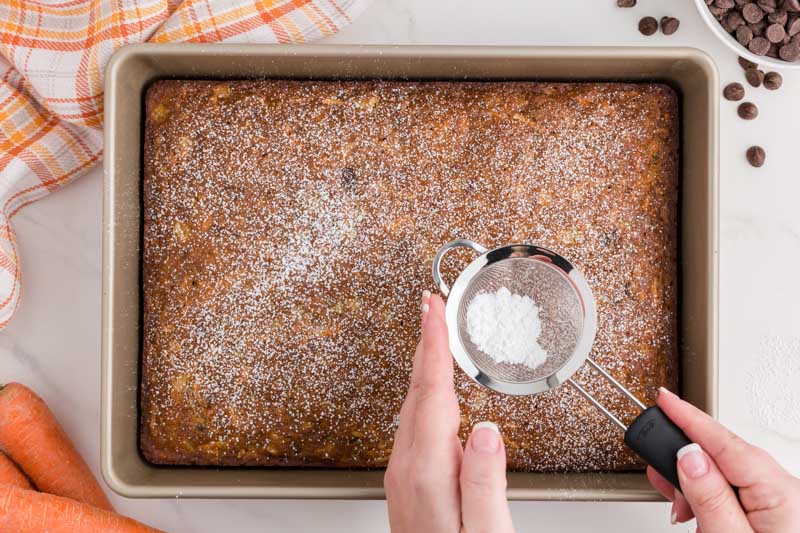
{"x": 289, "y": 230}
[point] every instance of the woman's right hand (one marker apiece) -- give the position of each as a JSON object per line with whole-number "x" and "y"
{"x": 769, "y": 497}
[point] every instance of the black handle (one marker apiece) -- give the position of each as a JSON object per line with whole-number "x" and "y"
{"x": 657, "y": 440}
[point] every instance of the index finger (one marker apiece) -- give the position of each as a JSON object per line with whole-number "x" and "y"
{"x": 742, "y": 463}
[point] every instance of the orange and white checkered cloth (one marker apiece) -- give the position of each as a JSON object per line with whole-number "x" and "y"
{"x": 52, "y": 55}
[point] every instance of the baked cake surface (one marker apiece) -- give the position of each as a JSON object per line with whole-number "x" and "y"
{"x": 289, "y": 228}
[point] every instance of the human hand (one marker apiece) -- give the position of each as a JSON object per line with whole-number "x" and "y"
{"x": 432, "y": 484}
{"x": 769, "y": 497}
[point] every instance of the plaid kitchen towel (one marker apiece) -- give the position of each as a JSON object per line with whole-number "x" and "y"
{"x": 52, "y": 54}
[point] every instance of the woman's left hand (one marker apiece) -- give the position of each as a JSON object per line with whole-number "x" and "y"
{"x": 432, "y": 484}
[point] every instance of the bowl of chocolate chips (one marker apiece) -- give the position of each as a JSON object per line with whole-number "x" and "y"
{"x": 764, "y": 31}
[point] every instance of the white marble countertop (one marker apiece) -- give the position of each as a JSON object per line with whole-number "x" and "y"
{"x": 53, "y": 342}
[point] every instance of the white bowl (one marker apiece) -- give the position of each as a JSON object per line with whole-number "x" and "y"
{"x": 731, "y": 42}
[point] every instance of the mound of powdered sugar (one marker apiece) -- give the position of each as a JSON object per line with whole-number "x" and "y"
{"x": 506, "y": 327}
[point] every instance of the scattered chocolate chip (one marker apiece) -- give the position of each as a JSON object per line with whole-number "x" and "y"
{"x": 746, "y": 63}
{"x": 744, "y": 35}
{"x": 756, "y": 156}
{"x": 775, "y": 33}
{"x": 348, "y": 177}
{"x": 669, "y": 25}
{"x": 790, "y": 52}
{"x": 733, "y": 92}
{"x": 626, "y": 3}
{"x": 752, "y": 13}
{"x": 648, "y": 26}
{"x": 759, "y": 46}
{"x": 773, "y": 81}
{"x": 747, "y": 110}
{"x": 754, "y": 76}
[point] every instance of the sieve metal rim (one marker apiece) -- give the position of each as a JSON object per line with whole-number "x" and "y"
{"x": 486, "y": 258}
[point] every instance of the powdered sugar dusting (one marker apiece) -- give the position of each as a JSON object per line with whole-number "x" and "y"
{"x": 288, "y": 233}
{"x": 774, "y": 390}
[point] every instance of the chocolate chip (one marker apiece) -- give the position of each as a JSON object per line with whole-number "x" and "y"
{"x": 733, "y": 92}
{"x": 734, "y": 20}
{"x": 778, "y": 17}
{"x": 747, "y": 110}
{"x": 752, "y": 13}
{"x": 773, "y": 50}
{"x": 773, "y": 81}
{"x": 768, "y": 6}
{"x": 791, "y": 5}
{"x": 754, "y": 76}
{"x": 648, "y": 26}
{"x": 792, "y": 25}
{"x": 756, "y": 156}
{"x": 775, "y": 33}
{"x": 724, "y": 4}
{"x": 718, "y": 12}
{"x": 669, "y": 25}
{"x": 789, "y": 52}
{"x": 759, "y": 46}
{"x": 744, "y": 35}
{"x": 626, "y": 3}
{"x": 348, "y": 177}
{"x": 746, "y": 63}
{"x": 758, "y": 28}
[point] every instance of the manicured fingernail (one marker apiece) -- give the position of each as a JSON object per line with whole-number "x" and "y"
{"x": 692, "y": 460}
{"x": 673, "y": 518}
{"x": 425, "y": 306}
{"x": 485, "y": 437}
{"x": 665, "y": 392}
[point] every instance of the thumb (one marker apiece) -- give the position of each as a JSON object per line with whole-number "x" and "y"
{"x": 484, "y": 507}
{"x": 709, "y": 494}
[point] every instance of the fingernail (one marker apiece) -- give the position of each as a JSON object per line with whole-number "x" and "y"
{"x": 425, "y": 306}
{"x": 673, "y": 517}
{"x": 692, "y": 460}
{"x": 664, "y": 391}
{"x": 485, "y": 437}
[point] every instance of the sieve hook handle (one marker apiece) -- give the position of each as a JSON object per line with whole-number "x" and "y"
{"x": 437, "y": 260}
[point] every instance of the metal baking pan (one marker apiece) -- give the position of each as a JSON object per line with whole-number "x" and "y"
{"x": 691, "y": 72}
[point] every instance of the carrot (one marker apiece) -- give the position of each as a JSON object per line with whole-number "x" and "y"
{"x": 33, "y": 438}
{"x": 25, "y": 511}
{"x": 11, "y": 475}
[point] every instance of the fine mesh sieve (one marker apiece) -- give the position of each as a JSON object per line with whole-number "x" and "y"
{"x": 568, "y": 318}
{"x": 560, "y": 313}
{"x": 566, "y": 311}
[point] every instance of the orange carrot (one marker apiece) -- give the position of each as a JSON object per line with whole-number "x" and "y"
{"x": 11, "y": 475}
{"x": 33, "y": 438}
{"x": 24, "y": 511}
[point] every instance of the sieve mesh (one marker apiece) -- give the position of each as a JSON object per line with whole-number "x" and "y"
{"x": 560, "y": 311}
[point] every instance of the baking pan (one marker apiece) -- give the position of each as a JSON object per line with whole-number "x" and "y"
{"x": 133, "y": 68}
